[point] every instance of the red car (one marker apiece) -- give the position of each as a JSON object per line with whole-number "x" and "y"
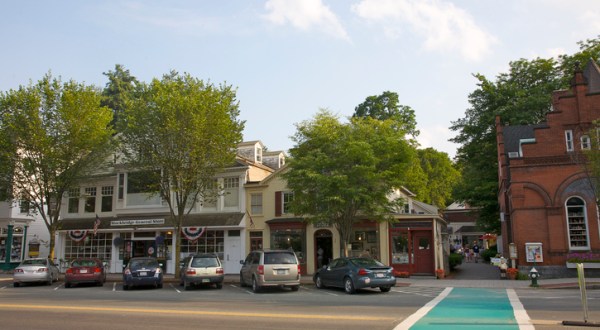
{"x": 85, "y": 270}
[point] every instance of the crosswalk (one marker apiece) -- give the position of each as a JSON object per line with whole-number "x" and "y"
{"x": 430, "y": 292}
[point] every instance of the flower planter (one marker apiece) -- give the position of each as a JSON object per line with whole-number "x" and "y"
{"x": 511, "y": 276}
{"x": 588, "y": 265}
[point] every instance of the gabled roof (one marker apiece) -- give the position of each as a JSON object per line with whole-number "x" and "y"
{"x": 592, "y": 76}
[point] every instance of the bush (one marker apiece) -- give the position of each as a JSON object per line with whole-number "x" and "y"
{"x": 454, "y": 260}
{"x": 489, "y": 253}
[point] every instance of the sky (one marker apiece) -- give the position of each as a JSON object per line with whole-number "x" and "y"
{"x": 289, "y": 58}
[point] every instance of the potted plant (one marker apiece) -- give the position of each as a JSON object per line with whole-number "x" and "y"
{"x": 511, "y": 273}
{"x": 440, "y": 273}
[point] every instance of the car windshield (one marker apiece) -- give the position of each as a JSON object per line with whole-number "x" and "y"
{"x": 84, "y": 263}
{"x": 280, "y": 258}
{"x": 35, "y": 262}
{"x": 143, "y": 263}
{"x": 205, "y": 262}
{"x": 367, "y": 262}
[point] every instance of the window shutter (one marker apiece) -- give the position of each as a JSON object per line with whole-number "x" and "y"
{"x": 278, "y": 203}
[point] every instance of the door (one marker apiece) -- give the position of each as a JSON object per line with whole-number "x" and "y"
{"x": 232, "y": 255}
{"x": 423, "y": 252}
{"x": 323, "y": 248}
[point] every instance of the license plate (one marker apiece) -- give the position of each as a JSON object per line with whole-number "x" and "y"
{"x": 379, "y": 275}
{"x": 280, "y": 272}
{"x": 205, "y": 280}
{"x": 83, "y": 271}
{"x": 143, "y": 273}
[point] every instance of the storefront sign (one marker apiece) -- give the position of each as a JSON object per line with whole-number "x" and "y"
{"x": 137, "y": 222}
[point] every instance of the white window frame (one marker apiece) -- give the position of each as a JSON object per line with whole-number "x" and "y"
{"x": 586, "y": 143}
{"x": 286, "y": 197}
{"x": 570, "y": 225}
{"x": 569, "y": 140}
{"x": 256, "y": 203}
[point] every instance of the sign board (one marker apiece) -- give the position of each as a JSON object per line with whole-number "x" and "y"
{"x": 139, "y": 222}
{"x": 533, "y": 251}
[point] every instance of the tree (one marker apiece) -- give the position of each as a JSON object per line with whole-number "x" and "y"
{"x": 181, "y": 132}
{"x": 118, "y": 91}
{"x": 51, "y": 135}
{"x": 387, "y": 106}
{"x": 338, "y": 171}
{"x": 441, "y": 176}
{"x": 520, "y": 97}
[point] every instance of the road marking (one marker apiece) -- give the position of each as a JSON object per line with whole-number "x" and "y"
{"x": 174, "y": 288}
{"x": 520, "y": 313}
{"x": 114, "y": 286}
{"x": 195, "y": 312}
{"x": 57, "y": 287}
{"x": 411, "y": 320}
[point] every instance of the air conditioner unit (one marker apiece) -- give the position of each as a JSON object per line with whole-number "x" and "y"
{"x": 513, "y": 154}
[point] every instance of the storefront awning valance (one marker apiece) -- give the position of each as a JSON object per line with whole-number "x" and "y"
{"x": 286, "y": 223}
{"x": 153, "y": 221}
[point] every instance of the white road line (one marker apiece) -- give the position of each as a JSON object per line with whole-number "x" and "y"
{"x": 57, "y": 287}
{"x": 415, "y": 317}
{"x": 174, "y": 288}
{"x": 114, "y": 286}
{"x": 521, "y": 315}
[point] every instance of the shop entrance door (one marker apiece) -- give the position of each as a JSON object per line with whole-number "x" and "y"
{"x": 139, "y": 248}
{"x": 423, "y": 252}
{"x": 323, "y": 241}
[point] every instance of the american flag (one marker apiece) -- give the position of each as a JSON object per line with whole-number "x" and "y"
{"x": 96, "y": 224}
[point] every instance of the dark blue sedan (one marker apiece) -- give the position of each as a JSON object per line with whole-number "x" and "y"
{"x": 142, "y": 271}
{"x": 355, "y": 273}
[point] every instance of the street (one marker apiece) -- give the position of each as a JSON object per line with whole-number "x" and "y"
{"x": 90, "y": 307}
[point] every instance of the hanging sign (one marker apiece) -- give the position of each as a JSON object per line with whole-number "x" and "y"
{"x": 77, "y": 235}
{"x": 193, "y": 233}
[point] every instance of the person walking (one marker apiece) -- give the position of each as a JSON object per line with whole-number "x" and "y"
{"x": 475, "y": 251}
{"x": 320, "y": 253}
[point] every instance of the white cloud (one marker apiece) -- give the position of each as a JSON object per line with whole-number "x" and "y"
{"x": 305, "y": 15}
{"x": 443, "y": 26}
{"x": 436, "y": 137}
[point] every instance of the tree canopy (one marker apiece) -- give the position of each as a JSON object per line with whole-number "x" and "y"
{"x": 387, "y": 106}
{"x": 521, "y": 96}
{"x": 118, "y": 91}
{"x": 184, "y": 131}
{"x": 52, "y": 134}
{"x": 339, "y": 171}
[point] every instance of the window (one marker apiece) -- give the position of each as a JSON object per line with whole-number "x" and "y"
{"x": 232, "y": 191}
{"x": 73, "y": 204}
{"x": 90, "y": 200}
{"x": 24, "y": 206}
{"x": 211, "y": 242}
{"x": 107, "y": 199}
{"x": 586, "y": 144}
{"x": 256, "y": 204}
{"x": 569, "y": 140}
{"x": 93, "y": 246}
{"x": 140, "y": 191}
{"x": 577, "y": 224}
{"x": 210, "y": 195}
{"x": 288, "y": 196}
{"x": 121, "y": 185}
{"x": 256, "y": 240}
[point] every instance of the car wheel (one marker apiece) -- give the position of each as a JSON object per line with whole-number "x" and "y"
{"x": 159, "y": 285}
{"x": 186, "y": 285}
{"x": 255, "y": 286}
{"x": 125, "y": 287}
{"x": 219, "y": 285}
{"x": 67, "y": 285}
{"x": 295, "y": 287}
{"x": 319, "y": 282}
{"x": 349, "y": 286}
{"x": 16, "y": 285}
{"x": 242, "y": 283}
{"x": 385, "y": 288}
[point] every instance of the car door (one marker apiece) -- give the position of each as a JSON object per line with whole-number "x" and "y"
{"x": 246, "y": 270}
{"x": 339, "y": 272}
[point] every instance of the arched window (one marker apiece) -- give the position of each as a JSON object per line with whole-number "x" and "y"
{"x": 577, "y": 224}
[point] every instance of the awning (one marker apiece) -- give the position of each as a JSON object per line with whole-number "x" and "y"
{"x": 153, "y": 221}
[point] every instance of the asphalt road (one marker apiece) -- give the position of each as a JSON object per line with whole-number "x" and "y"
{"x": 90, "y": 307}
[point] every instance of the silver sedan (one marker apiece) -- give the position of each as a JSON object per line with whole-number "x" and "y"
{"x": 35, "y": 270}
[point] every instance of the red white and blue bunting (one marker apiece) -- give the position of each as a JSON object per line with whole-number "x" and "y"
{"x": 77, "y": 235}
{"x": 193, "y": 233}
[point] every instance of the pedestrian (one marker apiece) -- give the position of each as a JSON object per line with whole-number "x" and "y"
{"x": 320, "y": 253}
{"x": 475, "y": 251}
{"x": 468, "y": 253}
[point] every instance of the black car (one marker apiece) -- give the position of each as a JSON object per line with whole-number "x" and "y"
{"x": 144, "y": 271}
{"x": 355, "y": 273}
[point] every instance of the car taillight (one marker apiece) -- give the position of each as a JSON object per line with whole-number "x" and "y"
{"x": 97, "y": 270}
{"x": 69, "y": 271}
{"x": 158, "y": 270}
{"x": 42, "y": 270}
{"x": 219, "y": 270}
{"x": 299, "y": 269}
{"x": 362, "y": 272}
{"x": 127, "y": 271}
{"x": 17, "y": 270}
{"x": 191, "y": 272}
{"x": 261, "y": 270}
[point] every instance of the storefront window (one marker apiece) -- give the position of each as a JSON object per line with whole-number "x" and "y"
{"x": 17, "y": 244}
{"x": 286, "y": 239}
{"x": 211, "y": 242}
{"x": 365, "y": 243}
{"x": 400, "y": 248}
{"x": 92, "y": 246}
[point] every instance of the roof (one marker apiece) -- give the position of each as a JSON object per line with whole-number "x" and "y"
{"x": 514, "y": 134}
{"x": 591, "y": 72}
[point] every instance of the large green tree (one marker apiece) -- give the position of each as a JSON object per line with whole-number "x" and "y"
{"x": 52, "y": 134}
{"x": 340, "y": 171}
{"x": 118, "y": 91}
{"x": 441, "y": 177}
{"x": 521, "y": 96}
{"x": 181, "y": 131}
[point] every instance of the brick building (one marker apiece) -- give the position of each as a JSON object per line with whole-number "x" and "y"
{"x": 547, "y": 203}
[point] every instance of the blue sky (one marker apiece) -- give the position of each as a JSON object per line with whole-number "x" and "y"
{"x": 290, "y": 58}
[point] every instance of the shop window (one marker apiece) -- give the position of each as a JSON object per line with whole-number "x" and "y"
{"x": 577, "y": 224}
{"x": 73, "y": 203}
{"x": 90, "y": 200}
{"x": 107, "y": 199}
{"x": 211, "y": 242}
{"x": 92, "y": 246}
{"x": 286, "y": 239}
{"x": 400, "y": 248}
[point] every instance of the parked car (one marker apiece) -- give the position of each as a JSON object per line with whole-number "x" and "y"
{"x": 355, "y": 273}
{"x": 85, "y": 270}
{"x": 35, "y": 270}
{"x": 270, "y": 268}
{"x": 201, "y": 269}
{"x": 142, "y": 271}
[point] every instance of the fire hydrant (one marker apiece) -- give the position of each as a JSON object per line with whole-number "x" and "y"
{"x": 502, "y": 267}
{"x": 533, "y": 274}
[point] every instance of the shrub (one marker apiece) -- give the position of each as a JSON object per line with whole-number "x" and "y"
{"x": 489, "y": 253}
{"x": 454, "y": 260}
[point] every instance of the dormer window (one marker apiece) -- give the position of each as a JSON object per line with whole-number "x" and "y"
{"x": 569, "y": 140}
{"x": 258, "y": 154}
